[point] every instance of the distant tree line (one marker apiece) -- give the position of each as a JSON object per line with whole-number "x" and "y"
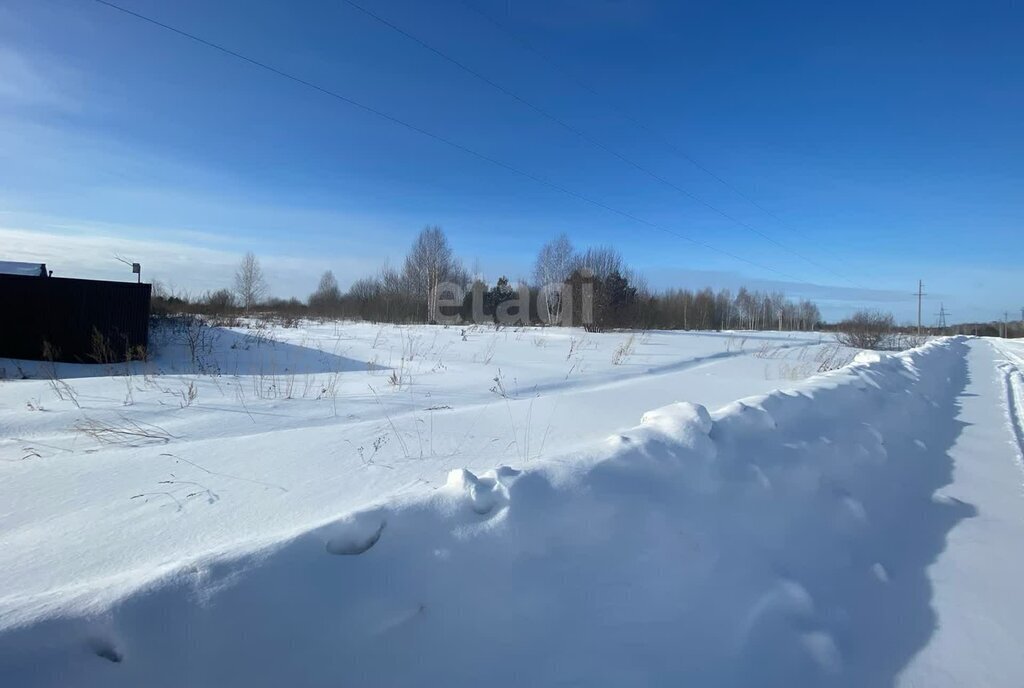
{"x": 594, "y": 288}
{"x": 1010, "y": 329}
{"x": 872, "y": 329}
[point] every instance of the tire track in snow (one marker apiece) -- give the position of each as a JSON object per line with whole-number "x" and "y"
{"x": 1014, "y": 381}
{"x": 1013, "y": 386}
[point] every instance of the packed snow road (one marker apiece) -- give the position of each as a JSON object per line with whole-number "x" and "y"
{"x": 861, "y": 528}
{"x": 978, "y": 592}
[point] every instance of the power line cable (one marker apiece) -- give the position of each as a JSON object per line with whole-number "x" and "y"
{"x": 586, "y": 137}
{"x": 673, "y": 147}
{"x": 441, "y": 139}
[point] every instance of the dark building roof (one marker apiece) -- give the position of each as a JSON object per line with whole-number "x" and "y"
{"x": 10, "y": 267}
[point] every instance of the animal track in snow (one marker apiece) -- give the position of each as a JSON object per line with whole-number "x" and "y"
{"x": 822, "y": 649}
{"x": 786, "y": 598}
{"x": 356, "y": 535}
{"x": 855, "y": 508}
{"x": 106, "y": 650}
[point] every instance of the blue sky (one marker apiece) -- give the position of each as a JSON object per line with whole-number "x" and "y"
{"x": 886, "y": 137}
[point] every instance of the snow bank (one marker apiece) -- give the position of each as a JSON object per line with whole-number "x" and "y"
{"x": 780, "y": 541}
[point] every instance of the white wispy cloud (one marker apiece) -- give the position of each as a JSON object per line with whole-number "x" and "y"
{"x": 33, "y": 80}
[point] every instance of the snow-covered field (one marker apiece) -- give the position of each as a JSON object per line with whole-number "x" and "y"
{"x": 351, "y": 504}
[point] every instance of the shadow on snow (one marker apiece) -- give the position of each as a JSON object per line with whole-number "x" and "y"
{"x": 219, "y": 351}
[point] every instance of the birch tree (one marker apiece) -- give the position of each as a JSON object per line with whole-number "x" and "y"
{"x": 250, "y": 285}
{"x": 430, "y": 263}
{"x": 552, "y": 269}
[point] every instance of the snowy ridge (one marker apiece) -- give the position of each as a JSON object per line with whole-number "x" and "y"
{"x": 782, "y": 540}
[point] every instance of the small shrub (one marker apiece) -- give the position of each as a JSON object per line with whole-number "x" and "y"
{"x": 867, "y": 329}
{"x": 624, "y": 350}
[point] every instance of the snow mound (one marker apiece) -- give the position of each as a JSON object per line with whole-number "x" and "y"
{"x": 740, "y": 547}
{"x": 484, "y": 493}
{"x": 680, "y": 421}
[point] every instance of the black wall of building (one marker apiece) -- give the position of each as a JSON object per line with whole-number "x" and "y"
{"x": 66, "y": 314}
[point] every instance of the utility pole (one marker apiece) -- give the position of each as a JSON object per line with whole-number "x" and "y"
{"x": 920, "y": 293}
{"x": 136, "y": 267}
{"x": 1006, "y": 320}
{"x": 942, "y": 316}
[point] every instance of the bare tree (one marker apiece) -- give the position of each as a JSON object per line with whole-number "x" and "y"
{"x": 810, "y": 316}
{"x": 219, "y": 302}
{"x": 601, "y": 261}
{"x": 365, "y": 289}
{"x": 250, "y": 284}
{"x": 553, "y": 267}
{"x": 327, "y": 297}
{"x": 429, "y": 263}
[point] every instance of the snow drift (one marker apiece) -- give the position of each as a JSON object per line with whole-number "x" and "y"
{"x": 782, "y": 540}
